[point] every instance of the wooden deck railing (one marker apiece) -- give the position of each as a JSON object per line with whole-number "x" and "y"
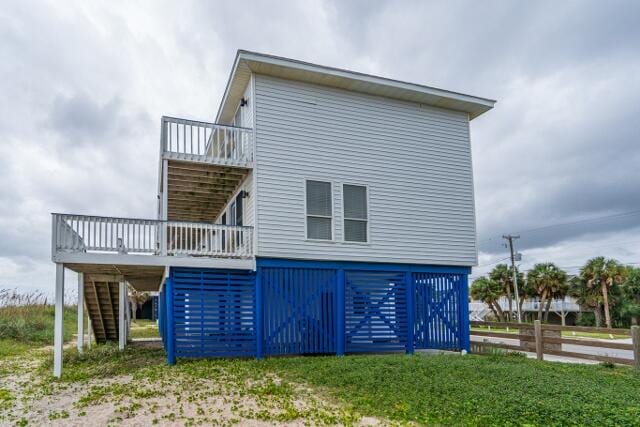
{"x": 84, "y": 233}
{"x": 192, "y": 140}
{"x": 547, "y": 339}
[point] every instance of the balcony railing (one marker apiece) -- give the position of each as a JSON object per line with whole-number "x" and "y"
{"x": 82, "y": 233}
{"x": 206, "y": 142}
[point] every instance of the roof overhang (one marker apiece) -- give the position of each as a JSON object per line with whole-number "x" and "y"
{"x": 248, "y": 62}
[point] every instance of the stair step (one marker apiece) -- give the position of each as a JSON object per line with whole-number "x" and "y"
{"x": 102, "y": 299}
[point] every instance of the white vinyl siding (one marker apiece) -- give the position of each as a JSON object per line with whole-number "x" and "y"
{"x": 355, "y": 213}
{"x": 414, "y": 159}
{"x": 319, "y": 210}
{"x": 245, "y": 115}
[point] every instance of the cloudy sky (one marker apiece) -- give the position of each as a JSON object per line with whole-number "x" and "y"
{"x": 84, "y": 85}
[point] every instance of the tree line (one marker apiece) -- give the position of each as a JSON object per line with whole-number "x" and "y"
{"x": 605, "y": 287}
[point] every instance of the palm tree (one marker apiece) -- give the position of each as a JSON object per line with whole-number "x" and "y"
{"x": 559, "y": 290}
{"x": 503, "y": 275}
{"x": 526, "y": 290}
{"x": 489, "y": 292}
{"x": 601, "y": 274}
{"x": 589, "y": 299}
{"x": 547, "y": 280}
{"x": 632, "y": 291}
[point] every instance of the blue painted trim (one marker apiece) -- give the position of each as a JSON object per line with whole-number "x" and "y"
{"x": 340, "y": 314}
{"x": 169, "y": 323}
{"x": 354, "y": 265}
{"x": 411, "y": 311}
{"x": 259, "y": 304}
{"x": 465, "y": 338}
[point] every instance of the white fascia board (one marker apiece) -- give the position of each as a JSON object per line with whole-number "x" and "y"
{"x": 153, "y": 260}
{"x": 473, "y": 105}
{"x": 367, "y": 78}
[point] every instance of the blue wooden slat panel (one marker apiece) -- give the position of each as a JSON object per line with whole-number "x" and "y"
{"x": 375, "y": 311}
{"x": 213, "y": 312}
{"x": 311, "y": 310}
{"x": 437, "y": 310}
{"x": 298, "y": 310}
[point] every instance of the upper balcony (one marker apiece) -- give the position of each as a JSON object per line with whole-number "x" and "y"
{"x": 208, "y": 143}
{"x": 119, "y": 243}
{"x": 201, "y": 166}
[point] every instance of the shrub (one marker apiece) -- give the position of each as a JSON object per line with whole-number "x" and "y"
{"x": 586, "y": 319}
{"x": 28, "y": 318}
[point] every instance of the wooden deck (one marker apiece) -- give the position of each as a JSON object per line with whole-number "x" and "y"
{"x": 199, "y": 192}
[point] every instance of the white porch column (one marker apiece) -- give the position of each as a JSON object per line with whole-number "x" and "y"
{"x": 165, "y": 208}
{"x": 58, "y": 337}
{"x": 89, "y": 330}
{"x": 122, "y": 327}
{"x": 80, "y": 341}
{"x": 128, "y": 315}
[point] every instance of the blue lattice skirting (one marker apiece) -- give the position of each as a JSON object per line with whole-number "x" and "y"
{"x": 313, "y": 307}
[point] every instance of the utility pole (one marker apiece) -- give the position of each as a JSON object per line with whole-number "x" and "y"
{"x": 514, "y": 256}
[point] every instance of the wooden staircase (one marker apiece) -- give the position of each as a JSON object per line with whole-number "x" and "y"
{"x": 102, "y": 299}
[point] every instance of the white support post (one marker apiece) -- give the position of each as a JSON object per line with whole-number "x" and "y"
{"x": 58, "y": 337}
{"x": 128, "y": 314}
{"x": 165, "y": 208}
{"x": 89, "y": 331}
{"x": 80, "y": 340}
{"x": 122, "y": 327}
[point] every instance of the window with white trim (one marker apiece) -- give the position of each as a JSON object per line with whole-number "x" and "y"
{"x": 319, "y": 210}
{"x": 355, "y": 213}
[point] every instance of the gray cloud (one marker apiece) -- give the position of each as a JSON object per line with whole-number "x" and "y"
{"x": 84, "y": 85}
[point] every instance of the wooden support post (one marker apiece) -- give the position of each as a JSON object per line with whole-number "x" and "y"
{"x": 411, "y": 312}
{"x": 58, "y": 332}
{"x": 122, "y": 327}
{"x": 170, "y": 332}
{"x": 89, "y": 331}
{"x": 80, "y": 340}
{"x": 164, "y": 242}
{"x": 537, "y": 327}
{"x": 128, "y": 314}
{"x": 259, "y": 315}
{"x": 465, "y": 328}
{"x": 635, "y": 339}
{"x": 340, "y": 315}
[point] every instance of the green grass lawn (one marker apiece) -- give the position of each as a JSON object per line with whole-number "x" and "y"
{"x": 144, "y": 328}
{"x": 473, "y": 390}
{"x": 429, "y": 390}
{"x": 425, "y": 390}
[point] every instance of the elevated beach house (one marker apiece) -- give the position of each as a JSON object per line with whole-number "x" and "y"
{"x": 323, "y": 211}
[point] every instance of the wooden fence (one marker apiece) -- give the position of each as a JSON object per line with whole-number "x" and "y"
{"x": 547, "y": 339}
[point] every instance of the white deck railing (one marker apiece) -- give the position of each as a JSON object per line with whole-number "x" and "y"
{"x": 202, "y": 239}
{"x": 83, "y": 233}
{"x": 206, "y": 142}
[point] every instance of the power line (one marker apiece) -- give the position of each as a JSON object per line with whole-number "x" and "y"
{"x": 494, "y": 262}
{"x": 563, "y": 224}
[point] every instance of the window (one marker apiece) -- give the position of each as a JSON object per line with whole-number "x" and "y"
{"x": 355, "y": 213}
{"x": 239, "y": 208}
{"x": 319, "y": 210}
{"x": 232, "y": 214}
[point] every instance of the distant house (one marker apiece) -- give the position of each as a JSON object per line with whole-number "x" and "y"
{"x": 559, "y": 309}
{"x": 323, "y": 211}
